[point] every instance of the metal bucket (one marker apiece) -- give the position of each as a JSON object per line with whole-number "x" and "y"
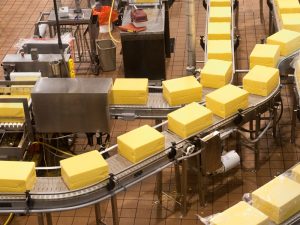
{"x": 107, "y": 54}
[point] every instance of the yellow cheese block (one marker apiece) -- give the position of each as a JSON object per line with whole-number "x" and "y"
{"x": 220, "y": 14}
{"x": 182, "y": 90}
{"x": 279, "y": 199}
{"x": 240, "y": 214}
{"x": 265, "y": 55}
{"x": 17, "y": 176}
{"x": 226, "y": 100}
{"x": 219, "y": 31}
{"x": 216, "y": 73}
{"x": 130, "y": 91}
{"x": 261, "y": 80}
{"x": 288, "y": 6}
{"x": 296, "y": 173}
{"x": 21, "y": 89}
{"x": 288, "y": 40}
{"x": 140, "y": 143}
{"x": 220, "y": 2}
{"x": 84, "y": 170}
{"x": 219, "y": 49}
{"x": 291, "y": 21}
{"x": 189, "y": 119}
{"x": 12, "y": 110}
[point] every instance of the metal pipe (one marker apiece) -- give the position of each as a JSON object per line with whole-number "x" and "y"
{"x": 114, "y": 206}
{"x": 49, "y": 219}
{"x": 98, "y": 213}
{"x": 191, "y": 35}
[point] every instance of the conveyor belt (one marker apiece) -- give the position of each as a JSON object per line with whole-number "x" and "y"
{"x": 156, "y": 107}
{"x": 51, "y": 194}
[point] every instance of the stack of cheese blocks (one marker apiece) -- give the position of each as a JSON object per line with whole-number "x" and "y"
{"x": 140, "y": 143}
{"x": 296, "y": 173}
{"x": 226, "y": 101}
{"x": 93, "y": 169}
{"x": 182, "y": 90}
{"x": 240, "y": 214}
{"x": 219, "y": 30}
{"x": 16, "y": 176}
{"x": 189, "y": 120}
{"x": 12, "y": 112}
{"x": 261, "y": 80}
{"x": 289, "y": 14}
{"x": 129, "y": 91}
{"x": 279, "y": 199}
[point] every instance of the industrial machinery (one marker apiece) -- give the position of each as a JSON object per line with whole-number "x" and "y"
{"x": 54, "y": 111}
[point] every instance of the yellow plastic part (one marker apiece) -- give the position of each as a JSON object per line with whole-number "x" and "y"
{"x": 140, "y": 143}
{"x": 240, "y": 214}
{"x": 226, "y": 100}
{"x": 220, "y": 2}
{"x": 291, "y": 21}
{"x": 189, "y": 119}
{"x": 220, "y": 14}
{"x": 265, "y": 55}
{"x": 219, "y": 49}
{"x": 288, "y": 6}
{"x": 219, "y": 31}
{"x": 17, "y": 176}
{"x": 182, "y": 90}
{"x": 261, "y": 80}
{"x": 216, "y": 73}
{"x": 130, "y": 91}
{"x": 84, "y": 170}
{"x": 279, "y": 199}
{"x": 288, "y": 40}
{"x": 296, "y": 173}
{"x": 72, "y": 72}
{"x": 12, "y": 110}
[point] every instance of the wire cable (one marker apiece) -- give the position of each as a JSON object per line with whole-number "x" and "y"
{"x": 9, "y": 219}
{"x": 52, "y": 147}
{"x": 109, "y": 21}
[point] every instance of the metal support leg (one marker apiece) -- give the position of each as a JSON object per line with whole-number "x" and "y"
{"x": 177, "y": 178}
{"x": 270, "y": 23}
{"x": 49, "y": 218}
{"x": 251, "y": 128}
{"x": 40, "y": 218}
{"x": 274, "y": 121}
{"x": 201, "y": 182}
{"x": 114, "y": 207}
{"x": 261, "y": 11}
{"x": 98, "y": 214}
{"x": 294, "y": 117}
{"x": 159, "y": 186}
{"x": 256, "y": 147}
{"x": 184, "y": 187}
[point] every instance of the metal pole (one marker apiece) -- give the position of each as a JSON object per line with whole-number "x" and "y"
{"x": 59, "y": 36}
{"x": 256, "y": 146}
{"x": 49, "y": 218}
{"x": 191, "y": 35}
{"x": 184, "y": 187}
{"x": 114, "y": 207}
{"x": 98, "y": 214}
{"x": 40, "y": 218}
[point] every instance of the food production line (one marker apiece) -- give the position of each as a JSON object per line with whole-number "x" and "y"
{"x": 51, "y": 109}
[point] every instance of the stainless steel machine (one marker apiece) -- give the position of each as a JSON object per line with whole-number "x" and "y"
{"x": 50, "y": 65}
{"x": 62, "y": 105}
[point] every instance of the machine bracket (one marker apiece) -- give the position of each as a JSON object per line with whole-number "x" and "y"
{"x": 111, "y": 182}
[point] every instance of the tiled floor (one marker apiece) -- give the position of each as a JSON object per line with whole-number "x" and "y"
{"x": 138, "y": 204}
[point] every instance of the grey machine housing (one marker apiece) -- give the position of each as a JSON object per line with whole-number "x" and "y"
{"x": 71, "y": 105}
